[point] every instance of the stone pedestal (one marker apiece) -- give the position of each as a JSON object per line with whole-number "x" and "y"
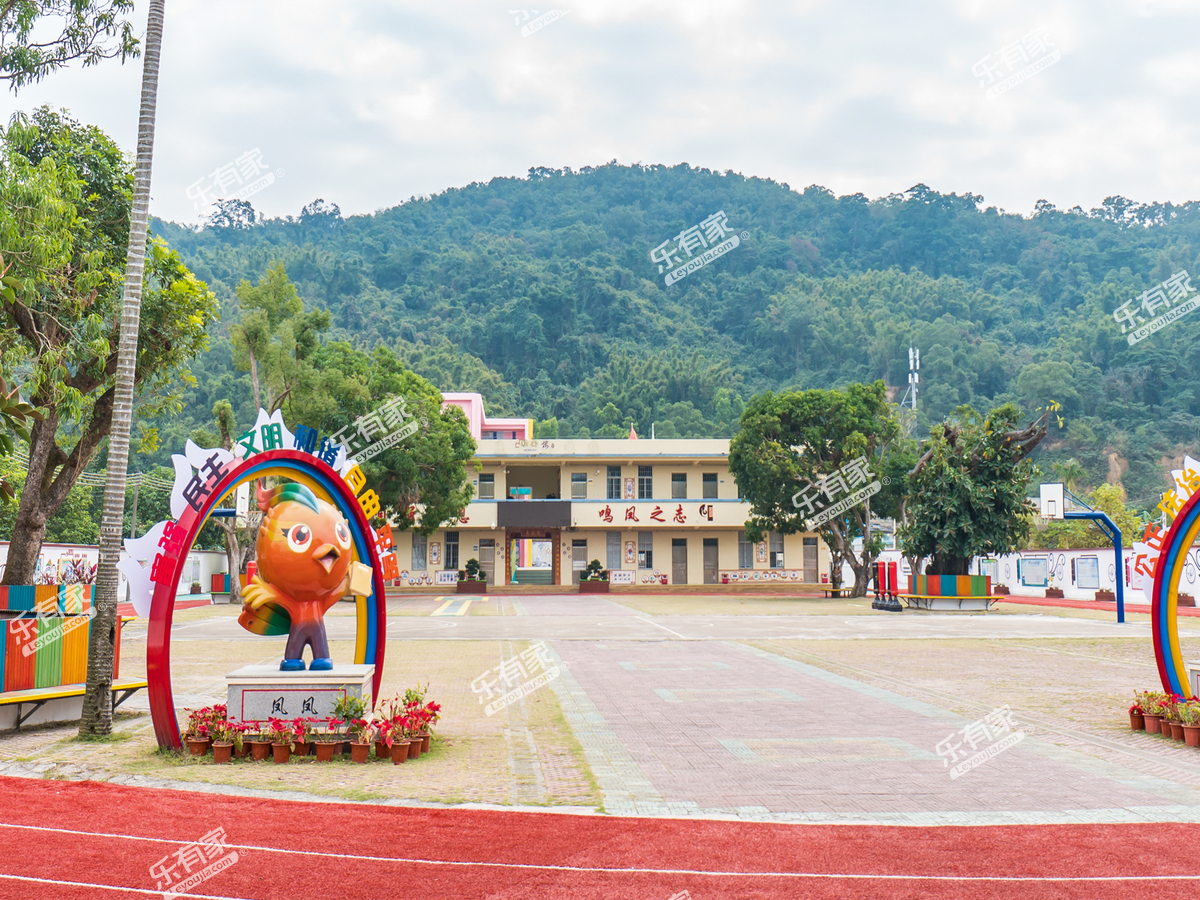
{"x": 259, "y": 693}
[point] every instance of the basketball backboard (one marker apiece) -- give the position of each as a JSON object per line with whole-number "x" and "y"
{"x": 1051, "y": 505}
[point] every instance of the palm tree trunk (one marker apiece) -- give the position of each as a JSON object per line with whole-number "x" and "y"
{"x": 97, "y": 702}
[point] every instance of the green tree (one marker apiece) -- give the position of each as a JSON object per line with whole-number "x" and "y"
{"x": 15, "y": 416}
{"x": 186, "y": 296}
{"x": 966, "y": 494}
{"x": 790, "y": 442}
{"x": 275, "y": 340}
{"x": 87, "y": 31}
{"x": 64, "y": 219}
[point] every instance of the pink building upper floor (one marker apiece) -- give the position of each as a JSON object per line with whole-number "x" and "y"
{"x": 484, "y": 427}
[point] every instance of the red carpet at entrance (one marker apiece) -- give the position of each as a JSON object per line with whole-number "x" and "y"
{"x": 1103, "y": 605}
{"x": 85, "y": 839}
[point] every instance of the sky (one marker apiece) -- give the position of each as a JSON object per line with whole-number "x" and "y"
{"x": 366, "y": 104}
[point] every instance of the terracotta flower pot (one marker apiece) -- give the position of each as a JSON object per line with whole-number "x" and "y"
{"x": 325, "y": 750}
{"x": 360, "y": 753}
{"x": 222, "y": 751}
{"x": 1137, "y": 721}
{"x": 1153, "y": 723}
{"x": 281, "y": 752}
{"x": 399, "y": 752}
{"x": 260, "y": 750}
{"x": 414, "y": 748}
{"x": 245, "y": 750}
{"x": 425, "y": 739}
{"x": 300, "y": 749}
{"x": 198, "y": 748}
{"x": 382, "y": 751}
{"x": 1177, "y": 731}
{"x": 1191, "y": 735}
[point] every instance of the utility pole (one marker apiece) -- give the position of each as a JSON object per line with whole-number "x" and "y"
{"x": 914, "y": 373}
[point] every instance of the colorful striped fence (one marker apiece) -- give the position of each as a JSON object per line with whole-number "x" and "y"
{"x": 950, "y": 585}
{"x": 54, "y": 660}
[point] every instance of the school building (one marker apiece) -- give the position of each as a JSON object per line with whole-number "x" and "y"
{"x": 653, "y": 512}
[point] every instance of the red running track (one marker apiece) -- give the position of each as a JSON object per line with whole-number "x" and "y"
{"x": 86, "y": 839}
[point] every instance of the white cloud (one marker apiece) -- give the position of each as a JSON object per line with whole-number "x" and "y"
{"x": 366, "y": 104}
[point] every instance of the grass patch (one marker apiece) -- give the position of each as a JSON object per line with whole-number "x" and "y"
{"x": 114, "y": 737}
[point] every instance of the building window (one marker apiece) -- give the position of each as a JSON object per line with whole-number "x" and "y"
{"x": 776, "y": 548}
{"x": 614, "y": 549}
{"x": 451, "y": 550}
{"x": 708, "y": 484}
{"x": 645, "y": 482}
{"x": 579, "y": 485}
{"x": 745, "y": 552}
{"x": 614, "y": 482}
{"x": 487, "y": 487}
{"x": 420, "y": 546}
{"x": 645, "y": 550}
{"x": 679, "y": 485}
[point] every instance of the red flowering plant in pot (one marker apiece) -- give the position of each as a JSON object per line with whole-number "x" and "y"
{"x": 330, "y": 741}
{"x": 1171, "y": 726}
{"x": 1189, "y": 718}
{"x": 1153, "y": 706}
{"x": 282, "y": 735}
{"x": 198, "y": 733}
{"x": 1137, "y": 713}
{"x": 362, "y": 733}
{"x": 304, "y": 730}
{"x": 227, "y": 736}
{"x": 397, "y": 738}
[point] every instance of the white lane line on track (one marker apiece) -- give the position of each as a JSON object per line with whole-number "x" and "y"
{"x": 601, "y": 869}
{"x": 663, "y": 627}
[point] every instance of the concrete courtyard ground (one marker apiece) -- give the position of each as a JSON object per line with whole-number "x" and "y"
{"x": 761, "y": 708}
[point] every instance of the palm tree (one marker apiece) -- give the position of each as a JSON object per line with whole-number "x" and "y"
{"x": 97, "y": 702}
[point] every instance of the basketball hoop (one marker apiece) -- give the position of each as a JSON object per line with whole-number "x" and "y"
{"x": 1040, "y": 522}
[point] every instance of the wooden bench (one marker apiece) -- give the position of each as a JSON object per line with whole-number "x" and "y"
{"x": 39, "y": 697}
{"x": 836, "y": 592}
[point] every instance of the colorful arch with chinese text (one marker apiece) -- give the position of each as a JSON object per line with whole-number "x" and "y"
{"x": 1164, "y": 597}
{"x": 297, "y": 466}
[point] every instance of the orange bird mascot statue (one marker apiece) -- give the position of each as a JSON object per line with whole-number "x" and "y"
{"x": 304, "y": 565}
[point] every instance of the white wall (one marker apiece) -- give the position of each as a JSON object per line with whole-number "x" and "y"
{"x": 51, "y": 568}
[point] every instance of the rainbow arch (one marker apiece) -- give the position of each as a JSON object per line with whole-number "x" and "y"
{"x": 371, "y": 635}
{"x": 1164, "y": 599}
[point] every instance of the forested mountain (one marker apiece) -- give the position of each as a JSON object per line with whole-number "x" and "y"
{"x": 540, "y": 293}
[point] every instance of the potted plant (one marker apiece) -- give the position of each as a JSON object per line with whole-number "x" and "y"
{"x": 303, "y": 731}
{"x": 397, "y": 739}
{"x": 1185, "y": 600}
{"x": 1189, "y": 721}
{"x": 349, "y": 709}
{"x": 226, "y": 737}
{"x": 329, "y": 741}
{"x": 198, "y": 734}
{"x": 593, "y": 579}
{"x": 360, "y": 747}
{"x": 281, "y": 736}
{"x": 472, "y": 580}
{"x": 1000, "y": 589}
{"x": 260, "y": 746}
{"x": 1153, "y": 711}
{"x": 196, "y": 587}
{"x": 1137, "y": 714}
{"x": 430, "y": 714}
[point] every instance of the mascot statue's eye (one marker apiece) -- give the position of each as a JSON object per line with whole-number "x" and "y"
{"x": 299, "y": 537}
{"x": 343, "y": 535}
